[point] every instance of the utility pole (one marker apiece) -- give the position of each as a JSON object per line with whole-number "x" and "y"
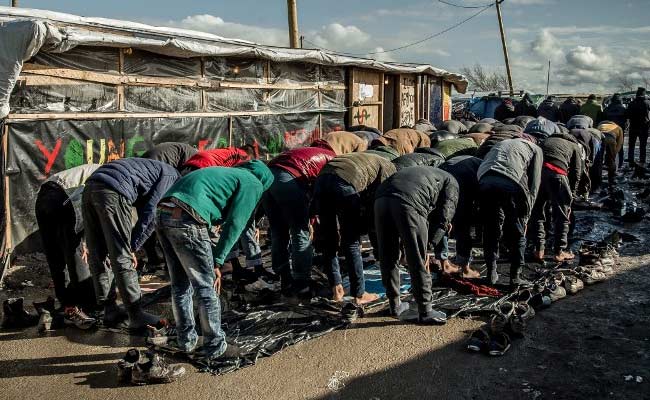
{"x": 548, "y": 77}
{"x": 14, "y": 3}
{"x": 302, "y": 39}
{"x": 292, "y": 11}
{"x": 505, "y": 47}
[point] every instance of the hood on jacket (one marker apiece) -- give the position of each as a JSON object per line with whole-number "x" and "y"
{"x": 580, "y": 122}
{"x": 322, "y": 144}
{"x": 542, "y": 126}
{"x": 390, "y": 151}
{"x": 571, "y": 100}
{"x": 260, "y": 171}
{"x": 566, "y": 136}
{"x": 640, "y": 92}
{"x": 429, "y": 150}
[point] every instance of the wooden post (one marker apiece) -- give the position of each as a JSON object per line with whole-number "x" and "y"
{"x": 14, "y": 3}
{"x": 292, "y": 11}
{"x": 5, "y": 152}
{"x": 505, "y": 47}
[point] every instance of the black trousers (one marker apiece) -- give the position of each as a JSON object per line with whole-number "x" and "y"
{"x": 62, "y": 246}
{"x": 503, "y": 210}
{"x": 642, "y": 135}
{"x": 395, "y": 222}
{"x": 554, "y": 191}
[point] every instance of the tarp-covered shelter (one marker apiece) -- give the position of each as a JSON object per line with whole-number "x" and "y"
{"x": 77, "y": 90}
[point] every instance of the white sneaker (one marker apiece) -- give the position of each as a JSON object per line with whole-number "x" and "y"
{"x": 260, "y": 284}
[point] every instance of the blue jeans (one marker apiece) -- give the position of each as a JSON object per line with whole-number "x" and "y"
{"x": 188, "y": 253}
{"x": 248, "y": 244}
{"x": 287, "y": 205}
{"x": 339, "y": 201}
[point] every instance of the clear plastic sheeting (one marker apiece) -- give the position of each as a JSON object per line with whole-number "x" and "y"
{"x": 331, "y": 122}
{"x": 294, "y": 72}
{"x": 236, "y": 100}
{"x": 63, "y": 98}
{"x": 151, "y": 64}
{"x": 161, "y": 99}
{"x": 331, "y": 75}
{"x": 96, "y": 59}
{"x": 234, "y": 69}
{"x": 333, "y": 100}
{"x": 273, "y": 134}
{"x": 293, "y": 100}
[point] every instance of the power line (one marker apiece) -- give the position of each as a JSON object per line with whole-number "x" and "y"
{"x": 461, "y": 6}
{"x": 456, "y": 25}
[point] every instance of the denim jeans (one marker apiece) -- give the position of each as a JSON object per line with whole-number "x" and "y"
{"x": 188, "y": 253}
{"x": 107, "y": 226}
{"x": 287, "y": 205}
{"x": 248, "y": 244}
{"x": 338, "y": 201}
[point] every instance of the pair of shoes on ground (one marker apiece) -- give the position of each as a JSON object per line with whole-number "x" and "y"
{"x": 482, "y": 341}
{"x": 432, "y": 317}
{"x": 592, "y": 274}
{"x": 146, "y": 368}
{"x": 597, "y": 253}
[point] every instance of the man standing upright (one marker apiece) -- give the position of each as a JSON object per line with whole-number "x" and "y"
{"x": 592, "y": 109}
{"x": 638, "y": 113}
{"x": 509, "y": 180}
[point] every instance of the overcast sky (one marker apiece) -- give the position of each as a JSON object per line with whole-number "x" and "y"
{"x": 589, "y": 42}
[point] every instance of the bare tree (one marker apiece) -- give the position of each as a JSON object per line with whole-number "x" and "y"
{"x": 645, "y": 79}
{"x": 483, "y": 80}
{"x": 625, "y": 83}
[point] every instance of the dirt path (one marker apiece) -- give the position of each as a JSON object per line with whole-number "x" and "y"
{"x": 582, "y": 347}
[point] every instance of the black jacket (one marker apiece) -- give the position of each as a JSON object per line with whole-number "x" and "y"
{"x": 422, "y": 156}
{"x": 549, "y": 110}
{"x": 495, "y": 138}
{"x": 564, "y": 151}
{"x": 174, "y": 154}
{"x": 568, "y": 109}
{"x": 504, "y": 111}
{"x": 143, "y": 182}
{"x": 526, "y": 107}
{"x": 615, "y": 112}
{"x": 638, "y": 112}
{"x": 431, "y": 192}
{"x": 464, "y": 169}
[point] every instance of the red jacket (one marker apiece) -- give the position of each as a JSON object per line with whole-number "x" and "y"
{"x": 226, "y": 157}
{"x": 304, "y": 163}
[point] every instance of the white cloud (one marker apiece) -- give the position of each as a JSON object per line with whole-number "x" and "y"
{"x": 339, "y": 36}
{"x": 546, "y": 45}
{"x": 381, "y": 56}
{"x": 584, "y": 57}
{"x": 216, "y": 25}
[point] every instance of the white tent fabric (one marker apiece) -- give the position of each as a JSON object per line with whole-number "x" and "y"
{"x": 24, "y": 32}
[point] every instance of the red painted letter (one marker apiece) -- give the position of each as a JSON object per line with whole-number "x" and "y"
{"x": 50, "y": 156}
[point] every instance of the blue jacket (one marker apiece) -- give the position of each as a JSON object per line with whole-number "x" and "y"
{"x": 143, "y": 182}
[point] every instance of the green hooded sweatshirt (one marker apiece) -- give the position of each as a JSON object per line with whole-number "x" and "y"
{"x": 592, "y": 110}
{"x": 224, "y": 196}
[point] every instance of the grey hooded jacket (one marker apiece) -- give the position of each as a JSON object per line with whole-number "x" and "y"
{"x": 518, "y": 160}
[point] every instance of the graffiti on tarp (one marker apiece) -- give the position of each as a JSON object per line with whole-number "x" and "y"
{"x": 407, "y": 101}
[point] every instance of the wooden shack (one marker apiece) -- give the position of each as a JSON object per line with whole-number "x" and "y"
{"x": 77, "y": 90}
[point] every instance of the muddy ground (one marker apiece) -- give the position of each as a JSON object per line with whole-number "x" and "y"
{"x": 595, "y": 344}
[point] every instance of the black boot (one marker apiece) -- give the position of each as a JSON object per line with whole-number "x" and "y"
{"x": 139, "y": 319}
{"x": 15, "y": 316}
{"x": 516, "y": 280}
{"x": 110, "y": 314}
